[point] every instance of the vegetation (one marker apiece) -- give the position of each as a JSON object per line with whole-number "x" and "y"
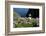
{"x": 24, "y": 21}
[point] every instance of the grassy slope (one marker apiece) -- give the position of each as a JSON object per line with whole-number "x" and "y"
{"x": 25, "y": 25}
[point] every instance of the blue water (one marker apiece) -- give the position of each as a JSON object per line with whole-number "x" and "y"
{"x": 21, "y": 11}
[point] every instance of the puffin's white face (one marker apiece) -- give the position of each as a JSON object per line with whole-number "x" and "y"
{"x": 29, "y": 15}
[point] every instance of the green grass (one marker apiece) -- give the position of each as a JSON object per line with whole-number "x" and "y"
{"x": 23, "y": 25}
{"x": 32, "y": 24}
